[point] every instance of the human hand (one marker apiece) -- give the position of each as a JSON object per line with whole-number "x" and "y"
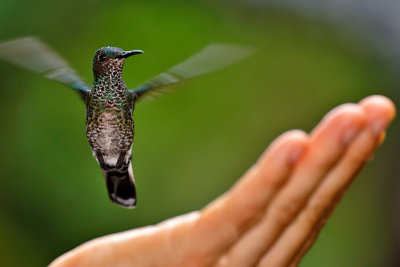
{"x": 272, "y": 215}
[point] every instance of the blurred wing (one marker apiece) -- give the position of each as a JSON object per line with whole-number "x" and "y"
{"x": 34, "y": 55}
{"x": 211, "y": 58}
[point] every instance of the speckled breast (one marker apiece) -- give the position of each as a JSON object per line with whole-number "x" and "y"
{"x": 109, "y": 133}
{"x": 109, "y": 123}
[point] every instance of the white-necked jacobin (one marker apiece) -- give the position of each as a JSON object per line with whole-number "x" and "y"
{"x": 109, "y": 104}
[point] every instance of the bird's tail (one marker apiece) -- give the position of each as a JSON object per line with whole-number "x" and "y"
{"x": 121, "y": 185}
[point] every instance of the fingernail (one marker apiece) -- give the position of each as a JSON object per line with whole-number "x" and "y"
{"x": 296, "y": 154}
{"x": 350, "y": 134}
{"x": 378, "y": 127}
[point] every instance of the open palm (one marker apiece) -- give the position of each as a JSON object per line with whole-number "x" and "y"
{"x": 272, "y": 215}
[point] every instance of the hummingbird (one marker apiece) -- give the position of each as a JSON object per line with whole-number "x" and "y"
{"x": 109, "y": 103}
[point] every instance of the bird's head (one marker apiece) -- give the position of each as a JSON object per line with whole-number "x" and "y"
{"x": 110, "y": 60}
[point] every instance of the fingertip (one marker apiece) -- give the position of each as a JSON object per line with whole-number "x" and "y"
{"x": 344, "y": 121}
{"x": 296, "y": 141}
{"x": 380, "y": 111}
{"x": 346, "y": 112}
{"x": 291, "y": 138}
{"x": 290, "y": 145}
{"x": 380, "y": 100}
{"x": 295, "y": 134}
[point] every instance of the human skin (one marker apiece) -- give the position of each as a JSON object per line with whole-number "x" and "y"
{"x": 272, "y": 215}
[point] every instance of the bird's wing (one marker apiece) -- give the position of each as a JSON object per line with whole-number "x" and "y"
{"x": 211, "y": 58}
{"x": 34, "y": 55}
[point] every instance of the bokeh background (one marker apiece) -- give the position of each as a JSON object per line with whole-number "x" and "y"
{"x": 192, "y": 144}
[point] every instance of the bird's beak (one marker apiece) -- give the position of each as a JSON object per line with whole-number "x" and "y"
{"x": 126, "y": 54}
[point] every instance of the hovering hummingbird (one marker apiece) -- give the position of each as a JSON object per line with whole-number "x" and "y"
{"x": 109, "y": 103}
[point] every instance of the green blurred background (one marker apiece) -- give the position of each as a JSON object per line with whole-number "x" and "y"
{"x": 190, "y": 145}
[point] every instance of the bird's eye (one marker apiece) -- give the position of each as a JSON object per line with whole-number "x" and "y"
{"x": 102, "y": 57}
